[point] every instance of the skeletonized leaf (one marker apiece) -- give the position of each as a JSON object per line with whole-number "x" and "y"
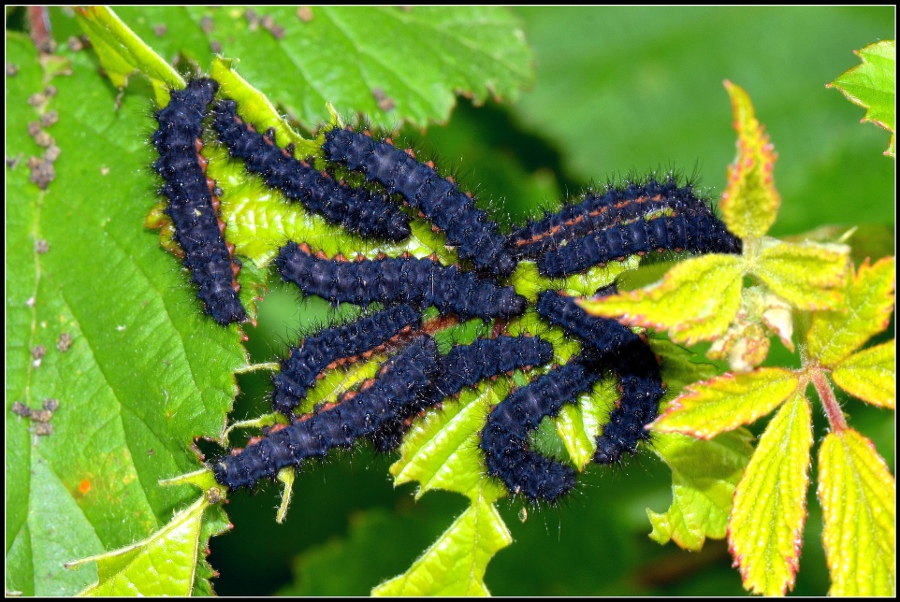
{"x": 872, "y": 85}
{"x": 704, "y": 476}
{"x": 696, "y": 300}
{"x": 766, "y": 526}
{"x": 858, "y": 497}
{"x": 750, "y": 202}
{"x": 870, "y": 375}
{"x": 727, "y": 402}
{"x": 833, "y": 335}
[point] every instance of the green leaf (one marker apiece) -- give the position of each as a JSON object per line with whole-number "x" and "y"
{"x": 161, "y": 565}
{"x": 810, "y": 276}
{"x": 704, "y": 476}
{"x": 391, "y": 64}
{"x": 858, "y": 496}
{"x": 873, "y": 85}
{"x": 833, "y": 335}
{"x": 766, "y": 526}
{"x": 750, "y": 203}
{"x": 696, "y": 300}
{"x": 726, "y": 402}
{"x": 870, "y": 375}
{"x": 146, "y": 372}
{"x": 455, "y": 564}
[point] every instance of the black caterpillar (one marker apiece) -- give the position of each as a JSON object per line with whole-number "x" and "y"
{"x": 463, "y": 367}
{"x": 600, "y": 211}
{"x": 630, "y": 357}
{"x": 475, "y": 236}
{"x": 402, "y": 381}
{"x": 356, "y": 209}
{"x": 304, "y": 364}
{"x": 192, "y": 206}
{"x": 417, "y": 282}
{"x": 697, "y": 232}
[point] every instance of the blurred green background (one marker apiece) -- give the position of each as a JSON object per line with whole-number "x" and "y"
{"x": 618, "y": 91}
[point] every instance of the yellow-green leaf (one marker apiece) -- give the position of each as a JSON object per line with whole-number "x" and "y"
{"x": 727, "y": 402}
{"x": 870, "y": 375}
{"x": 858, "y": 496}
{"x": 872, "y": 85}
{"x": 122, "y": 52}
{"x": 750, "y": 202}
{"x": 766, "y": 527}
{"x": 455, "y": 564}
{"x": 810, "y": 276}
{"x": 704, "y": 475}
{"x": 833, "y": 335}
{"x": 578, "y": 425}
{"x": 161, "y": 565}
{"x": 441, "y": 451}
{"x": 696, "y": 300}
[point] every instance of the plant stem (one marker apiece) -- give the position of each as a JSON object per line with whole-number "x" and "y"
{"x": 829, "y": 401}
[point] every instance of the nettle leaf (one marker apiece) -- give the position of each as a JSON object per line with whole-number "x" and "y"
{"x": 138, "y": 370}
{"x": 858, "y": 496}
{"x": 726, "y": 402}
{"x": 164, "y": 564}
{"x": 455, "y": 564}
{"x": 704, "y": 476}
{"x": 750, "y": 202}
{"x": 834, "y": 335}
{"x": 810, "y": 276}
{"x": 870, "y": 375}
{"x": 766, "y": 525}
{"x": 696, "y": 300}
{"x": 388, "y": 63}
{"x": 872, "y": 85}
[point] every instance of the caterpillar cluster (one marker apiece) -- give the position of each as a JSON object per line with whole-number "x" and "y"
{"x": 606, "y": 225}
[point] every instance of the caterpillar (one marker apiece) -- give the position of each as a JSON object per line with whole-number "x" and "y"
{"x": 464, "y": 366}
{"x": 504, "y": 439}
{"x": 417, "y": 282}
{"x": 599, "y": 211}
{"x": 325, "y": 349}
{"x": 356, "y": 209}
{"x": 630, "y": 357}
{"x": 400, "y": 382}
{"x": 192, "y": 206}
{"x": 695, "y": 232}
{"x": 475, "y": 236}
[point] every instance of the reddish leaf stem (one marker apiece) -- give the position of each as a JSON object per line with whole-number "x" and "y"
{"x": 829, "y": 401}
